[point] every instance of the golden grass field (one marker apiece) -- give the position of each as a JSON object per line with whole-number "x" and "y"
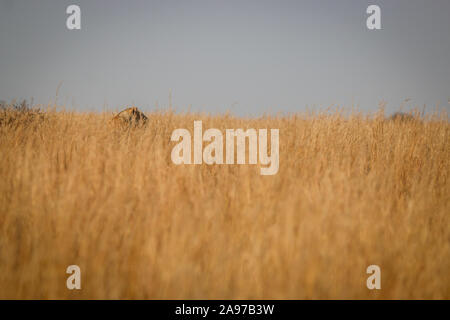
{"x": 352, "y": 190}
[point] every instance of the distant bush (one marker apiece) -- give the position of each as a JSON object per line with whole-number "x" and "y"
{"x": 16, "y": 113}
{"x": 22, "y": 106}
{"x": 401, "y": 116}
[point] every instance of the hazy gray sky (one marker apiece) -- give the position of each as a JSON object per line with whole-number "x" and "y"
{"x": 247, "y": 56}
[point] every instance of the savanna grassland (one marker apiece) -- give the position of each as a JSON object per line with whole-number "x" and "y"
{"x": 351, "y": 191}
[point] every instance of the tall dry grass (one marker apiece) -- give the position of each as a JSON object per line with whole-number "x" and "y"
{"x": 351, "y": 191}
